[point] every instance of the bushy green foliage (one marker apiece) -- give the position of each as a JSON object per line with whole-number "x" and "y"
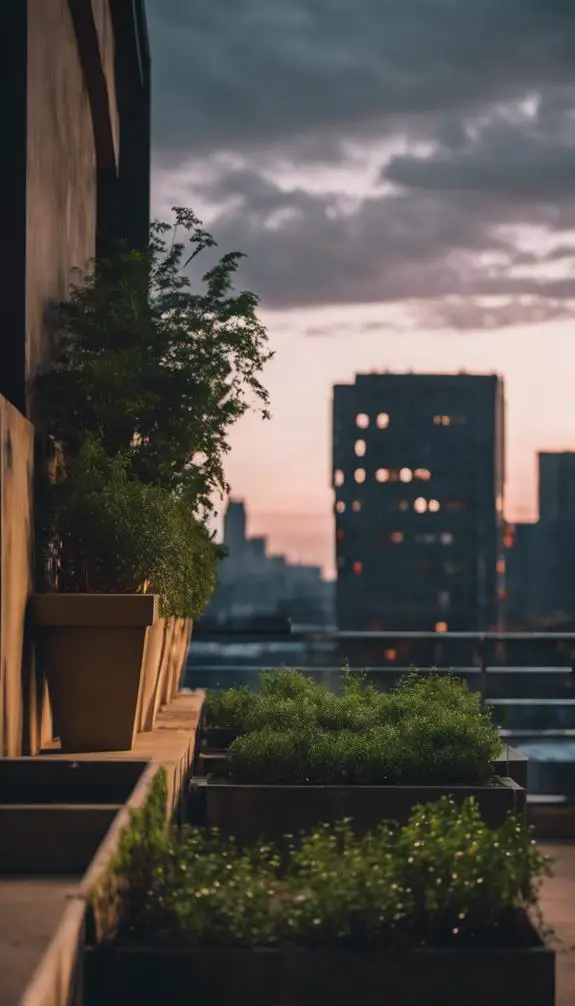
{"x": 430, "y": 729}
{"x": 444, "y": 879}
{"x": 118, "y": 535}
{"x": 156, "y": 368}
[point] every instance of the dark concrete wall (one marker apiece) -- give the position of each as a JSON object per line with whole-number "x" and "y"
{"x": 61, "y": 169}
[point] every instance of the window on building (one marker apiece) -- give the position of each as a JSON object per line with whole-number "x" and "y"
{"x": 454, "y": 505}
{"x": 434, "y": 506}
{"x": 358, "y": 568}
{"x": 423, "y": 474}
{"x": 338, "y": 478}
{"x": 383, "y": 420}
{"x": 426, "y": 539}
{"x": 509, "y": 538}
{"x": 499, "y": 504}
{"x": 340, "y": 507}
{"x": 339, "y": 534}
{"x": 420, "y": 505}
{"x": 406, "y": 475}
{"x": 404, "y": 505}
{"x": 502, "y": 594}
{"x": 441, "y": 627}
{"x": 390, "y": 654}
{"x": 444, "y": 599}
{"x": 360, "y": 448}
{"x": 397, "y": 537}
{"x": 382, "y": 475}
{"x": 362, "y": 421}
{"x": 359, "y": 475}
{"x": 356, "y": 506}
{"x": 446, "y": 538}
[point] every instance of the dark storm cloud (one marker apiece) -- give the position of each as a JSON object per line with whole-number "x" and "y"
{"x": 489, "y": 85}
{"x": 232, "y": 74}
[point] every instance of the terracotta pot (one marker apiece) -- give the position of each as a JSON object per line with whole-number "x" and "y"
{"x": 92, "y": 646}
{"x": 180, "y": 649}
{"x": 153, "y": 653}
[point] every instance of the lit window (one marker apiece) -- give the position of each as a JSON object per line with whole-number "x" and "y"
{"x": 339, "y": 534}
{"x": 359, "y": 474}
{"x": 443, "y": 599}
{"x": 420, "y": 505}
{"x": 383, "y": 420}
{"x": 434, "y": 506}
{"x": 499, "y": 504}
{"x": 362, "y": 421}
{"x": 445, "y": 420}
{"x": 423, "y": 474}
{"x": 406, "y": 475}
{"x": 441, "y": 627}
{"x": 397, "y": 537}
{"x": 509, "y": 539}
{"x": 338, "y": 478}
{"x": 437, "y": 420}
{"x": 358, "y": 568}
{"x": 340, "y": 507}
{"x": 447, "y": 538}
{"x": 501, "y": 565}
{"x": 360, "y": 448}
{"x": 356, "y": 506}
{"x": 390, "y": 654}
{"x": 404, "y": 505}
{"x": 502, "y": 594}
{"x": 382, "y": 475}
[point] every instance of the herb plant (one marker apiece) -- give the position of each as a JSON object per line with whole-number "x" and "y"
{"x": 444, "y": 879}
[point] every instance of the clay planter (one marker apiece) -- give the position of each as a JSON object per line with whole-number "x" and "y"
{"x": 176, "y": 644}
{"x": 153, "y": 656}
{"x": 427, "y": 976}
{"x": 92, "y": 648}
{"x": 256, "y": 812}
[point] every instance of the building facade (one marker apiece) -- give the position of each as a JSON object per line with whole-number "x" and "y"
{"x": 418, "y": 479}
{"x": 75, "y": 171}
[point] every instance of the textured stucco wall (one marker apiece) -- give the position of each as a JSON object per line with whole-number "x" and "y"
{"x": 61, "y": 169}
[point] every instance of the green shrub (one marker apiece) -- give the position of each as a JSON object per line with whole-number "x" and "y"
{"x": 445, "y": 879}
{"x": 444, "y": 747}
{"x": 117, "y": 535}
{"x": 228, "y": 709}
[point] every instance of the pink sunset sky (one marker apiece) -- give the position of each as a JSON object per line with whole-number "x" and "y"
{"x": 402, "y": 180}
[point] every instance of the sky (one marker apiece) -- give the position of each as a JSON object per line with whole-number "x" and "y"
{"x": 401, "y": 177}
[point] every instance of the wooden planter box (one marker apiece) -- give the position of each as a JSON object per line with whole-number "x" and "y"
{"x": 254, "y": 812}
{"x": 293, "y": 977}
{"x": 92, "y": 649}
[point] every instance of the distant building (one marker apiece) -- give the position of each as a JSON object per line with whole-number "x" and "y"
{"x": 418, "y": 477}
{"x": 522, "y": 574}
{"x": 556, "y": 486}
{"x": 254, "y": 584}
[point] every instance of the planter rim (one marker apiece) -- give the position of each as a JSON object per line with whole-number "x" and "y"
{"x": 499, "y": 783}
{"x": 105, "y": 610}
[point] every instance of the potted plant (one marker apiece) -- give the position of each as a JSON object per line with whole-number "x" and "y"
{"x": 304, "y": 755}
{"x": 128, "y": 553}
{"x": 147, "y": 376}
{"x": 441, "y": 911}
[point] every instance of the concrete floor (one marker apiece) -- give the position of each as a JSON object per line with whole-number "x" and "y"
{"x": 30, "y": 910}
{"x": 558, "y": 906}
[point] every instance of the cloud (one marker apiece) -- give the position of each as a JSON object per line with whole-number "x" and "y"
{"x": 470, "y": 104}
{"x": 232, "y": 75}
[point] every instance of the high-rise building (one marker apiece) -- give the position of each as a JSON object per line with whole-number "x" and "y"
{"x": 556, "y": 486}
{"x": 235, "y": 527}
{"x": 418, "y": 477}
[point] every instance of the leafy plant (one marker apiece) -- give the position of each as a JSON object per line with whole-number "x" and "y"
{"x": 444, "y": 879}
{"x": 118, "y": 535}
{"x": 157, "y": 370}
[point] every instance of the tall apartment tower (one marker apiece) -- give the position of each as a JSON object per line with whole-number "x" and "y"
{"x": 418, "y": 479}
{"x": 556, "y": 485}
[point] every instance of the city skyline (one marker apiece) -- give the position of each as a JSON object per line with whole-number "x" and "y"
{"x": 401, "y": 178}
